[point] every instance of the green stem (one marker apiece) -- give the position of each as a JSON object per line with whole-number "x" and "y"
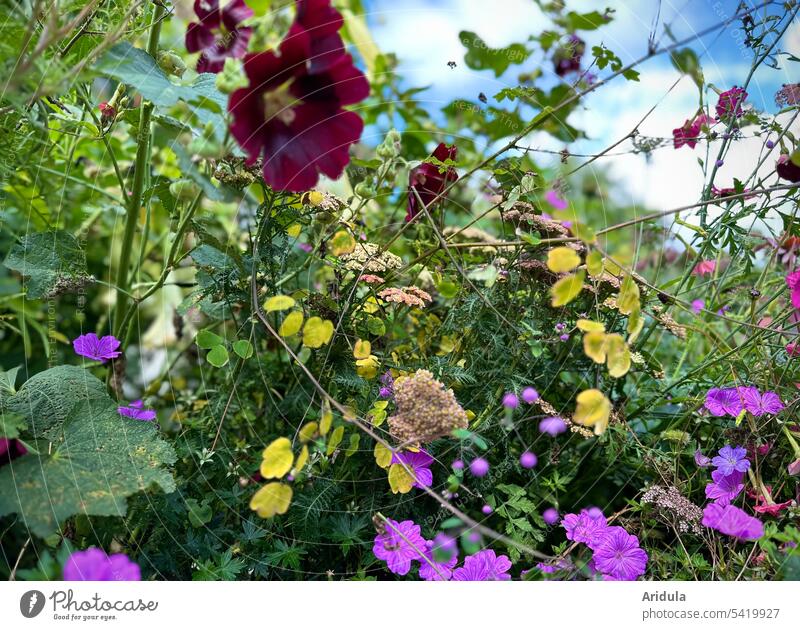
{"x": 142, "y": 164}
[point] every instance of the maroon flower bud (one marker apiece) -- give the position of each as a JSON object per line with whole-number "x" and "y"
{"x": 107, "y": 112}
{"x": 787, "y": 169}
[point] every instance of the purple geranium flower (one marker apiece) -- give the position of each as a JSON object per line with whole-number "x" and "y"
{"x": 137, "y": 411}
{"x": 721, "y": 402}
{"x": 619, "y": 556}
{"x": 702, "y": 461}
{"x": 483, "y": 566}
{"x": 586, "y": 527}
{"x": 731, "y": 459}
{"x": 399, "y": 545}
{"x": 95, "y": 348}
{"x": 725, "y": 488}
{"x": 94, "y": 565}
{"x": 758, "y": 404}
{"x": 434, "y": 570}
{"x": 218, "y": 35}
{"x": 552, "y": 426}
{"x": 730, "y": 520}
{"x": 420, "y": 464}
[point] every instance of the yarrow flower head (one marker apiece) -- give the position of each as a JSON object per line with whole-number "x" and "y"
{"x": 218, "y": 35}
{"x": 483, "y": 566}
{"x": 619, "y": 555}
{"x": 420, "y": 464}
{"x": 94, "y": 565}
{"x": 95, "y": 348}
{"x": 429, "y": 180}
{"x": 730, "y": 103}
{"x": 426, "y": 410}
{"x": 732, "y": 521}
{"x": 731, "y": 459}
{"x": 291, "y": 112}
{"x": 398, "y": 544}
{"x": 137, "y": 411}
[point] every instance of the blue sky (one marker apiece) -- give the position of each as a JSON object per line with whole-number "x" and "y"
{"x": 424, "y": 35}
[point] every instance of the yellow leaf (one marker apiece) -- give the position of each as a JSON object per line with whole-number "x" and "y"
{"x": 277, "y": 459}
{"x": 272, "y": 499}
{"x": 377, "y": 416}
{"x": 594, "y": 263}
{"x": 307, "y": 431}
{"x": 594, "y": 346}
{"x": 567, "y": 289}
{"x": 399, "y": 479}
{"x": 342, "y": 243}
{"x": 317, "y": 332}
{"x": 294, "y": 230}
{"x": 619, "y": 356}
{"x": 628, "y": 298}
{"x": 592, "y": 409}
{"x": 370, "y": 305}
{"x": 583, "y": 232}
{"x": 326, "y": 420}
{"x": 302, "y": 458}
{"x": 315, "y": 197}
{"x": 291, "y": 324}
{"x": 587, "y": 325}
{"x": 278, "y": 303}
{"x": 635, "y": 325}
{"x": 336, "y": 439}
{"x": 562, "y": 259}
{"x": 362, "y": 349}
{"x": 383, "y": 455}
{"x": 380, "y": 404}
{"x": 367, "y": 368}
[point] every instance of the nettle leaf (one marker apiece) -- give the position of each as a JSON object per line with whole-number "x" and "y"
{"x": 479, "y": 56}
{"x": 48, "y": 398}
{"x": 51, "y": 262}
{"x": 102, "y": 459}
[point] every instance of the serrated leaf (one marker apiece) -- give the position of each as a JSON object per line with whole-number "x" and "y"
{"x": 479, "y": 56}
{"x": 273, "y": 498}
{"x": 277, "y": 459}
{"x": 561, "y": 259}
{"x": 567, "y": 289}
{"x": 292, "y": 324}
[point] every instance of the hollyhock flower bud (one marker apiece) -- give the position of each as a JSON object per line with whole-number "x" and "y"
{"x": 787, "y": 169}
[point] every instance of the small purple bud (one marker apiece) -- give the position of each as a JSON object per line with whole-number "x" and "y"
{"x": 564, "y": 337}
{"x": 474, "y": 537}
{"x": 385, "y": 392}
{"x": 560, "y": 326}
{"x": 550, "y": 516}
{"x": 794, "y": 468}
{"x": 457, "y": 464}
{"x": 720, "y": 163}
{"x": 530, "y": 395}
{"x": 479, "y": 467}
{"x": 510, "y": 400}
{"x": 702, "y": 461}
{"x": 487, "y": 509}
{"x": 528, "y": 459}
{"x": 770, "y": 144}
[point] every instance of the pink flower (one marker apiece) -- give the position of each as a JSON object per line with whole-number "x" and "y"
{"x": 218, "y": 35}
{"x": 587, "y": 527}
{"x": 291, "y": 113}
{"x": 552, "y": 197}
{"x": 398, "y": 545}
{"x": 732, "y": 521}
{"x": 704, "y": 267}
{"x": 619, "y": 555}
{"x": 698, "y": 306}
{"x": 725, "y": 488}
{"x": 483, "y": 566}
{"x": 730, "y": 103}
{"x": 95, "y": 565}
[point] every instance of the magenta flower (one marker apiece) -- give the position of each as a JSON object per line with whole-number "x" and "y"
{"x": 433, "y": 570}
{"x": 721, "y": 402}
{"x": 552, "y": 426}
{"x": 429, "y": 180}
{"x": 588, "y": 528}
{"x": 483, "y": 566}
{"x": 218, "y": 35}
{"x": 399, "y": 545}
{"x": 619, "y": 555}
{"x": 724, "y": 488}
{"x": 510, "y": 400}
{"x": 94, "y": 565}
{"x": 291, "y": 113}
{"x": 479, "y": 467}
{"x": 10, "y": 449}
{"x": 420, "y": 464}
{"x": 731, "y": 460}
{"x": 530, "y": 395}
{"x": 793, "y": 282}
{"x": 137, "y": 411}
{"x": 552, "y": 197}
{"x": 95, "y": 348}
{"x": 698, "y": 306}
{"x": 704, "y": 267}
{"x": 730, "y": 103}
{"x": 787, "y": 169}
{"x": 730, "y": 520}
{"x": 759, "y": 404}
{"x": 550, "y": 516}
{"x": 528, "y": 460}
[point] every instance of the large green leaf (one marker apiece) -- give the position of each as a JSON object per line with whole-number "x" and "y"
{"x": 52, "y": 262}
{"x": 103, "y": 459}
{"x": 480, "y": 57}
{"x": 48, "y": 398}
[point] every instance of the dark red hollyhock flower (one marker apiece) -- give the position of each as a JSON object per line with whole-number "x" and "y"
{"x": 11, "y": 449}
{"x": 429, "y": 181}
{"x": 568, "y": 57}
{"x": 730, "y": 102}
{"x": 218, "y": 35}
{"x": 787, "y": 169}
{"x": 291, "y": 112}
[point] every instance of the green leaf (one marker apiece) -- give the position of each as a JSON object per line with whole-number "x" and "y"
{"x": 199, "y": 514}
{"x": 217, "y": 356}
{"x": 102, "y": 459}
{"x": 243, "y": 348}
{"x": 52, "y": 262}
{"x": 206, "y": 339}
{"x": 480, "y": 57}
{"x": 11, "y": 424}
{"x": 586, "y": 21}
